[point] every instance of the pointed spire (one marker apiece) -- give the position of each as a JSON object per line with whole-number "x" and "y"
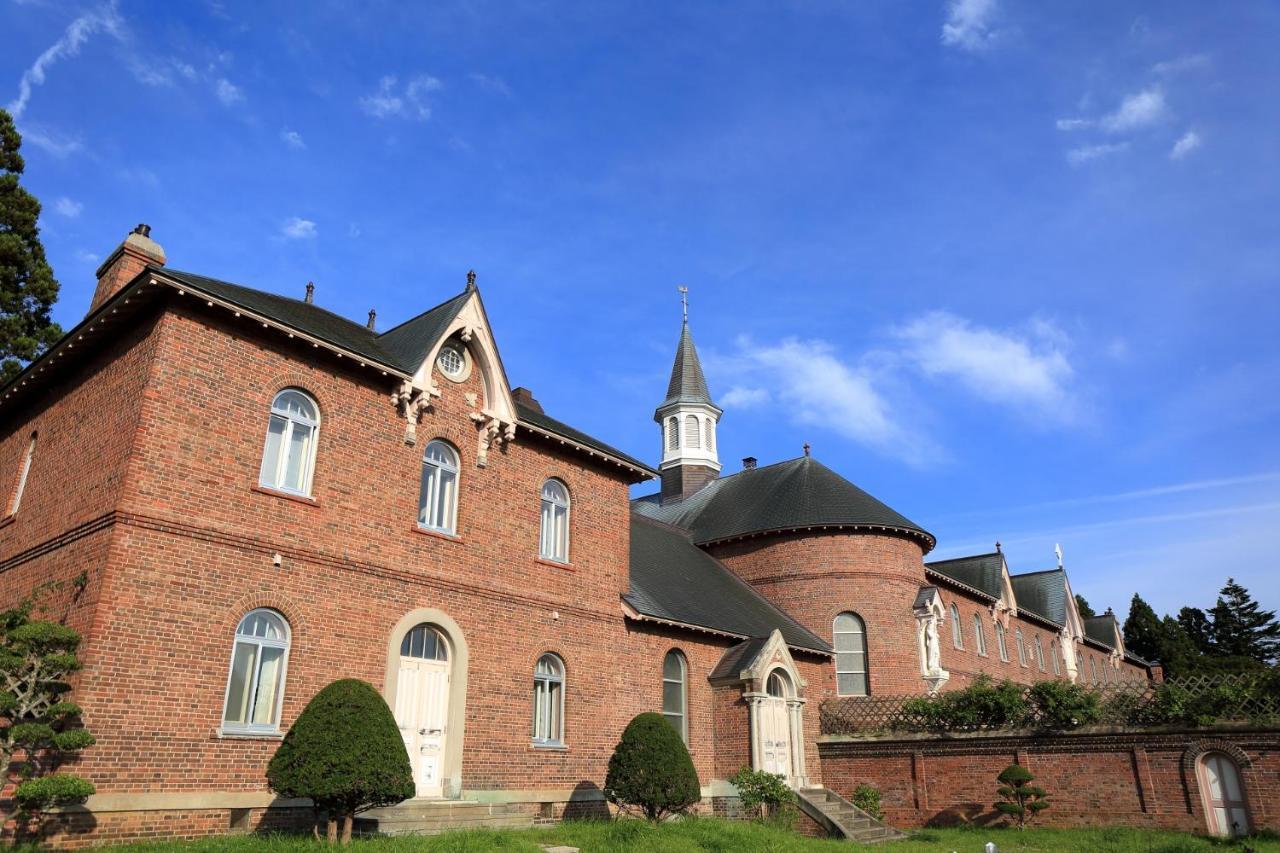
{"x": 688, "y": 384}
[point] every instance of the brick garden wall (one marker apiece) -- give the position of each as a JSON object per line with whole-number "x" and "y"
{"x": 1111, "y": 778}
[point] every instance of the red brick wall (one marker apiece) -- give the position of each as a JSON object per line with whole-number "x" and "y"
{"x": 1093, "y": 779}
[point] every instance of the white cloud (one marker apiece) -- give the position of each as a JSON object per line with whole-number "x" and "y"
{"x": 293, "y": 139}
{"x": 1137, "y": 111}
{"x": 491, "y": 82}
{"x": 67, "y": 207}
{"x": 1075, "y": 123}
{"x": 227, "y": 92}
{"x": 296, "y": 228}
{"x": 1087, "y": 153}
{"x": 968, "y": 24}
{"x": 1191, "y": 62}
{"x": 739, "y": 397}
{"x": 105, "y": 19}
{"x": 410, "y": 101}
{"x": 1186, "y": 143}
{"x": 997, "y": 366}
{"x": 55, "y": 144}
{"x": 84, "y": 256}
{"x": 809, "y": 384}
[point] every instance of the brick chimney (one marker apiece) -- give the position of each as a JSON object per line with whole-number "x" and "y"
{"x": 135, "y": 253}
{"x": 524, "y": 396}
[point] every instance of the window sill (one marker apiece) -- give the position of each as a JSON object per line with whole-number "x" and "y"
{"x": 276, "y": 493}
{"x": 554, "y": 747}
{"x": 568, "y": 567}
{"x": 437, "y": 534}
{"x": 240, "y": 734}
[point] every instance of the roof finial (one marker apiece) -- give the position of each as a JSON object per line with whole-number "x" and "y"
{"x": 311, "y": 293}
{"x": 998, "y": 551}
{"x": 684, "y": 300}
{"x": 471, "y": 279}
{"x": 806, "y": 448}
{"x": 373, "y": 316}
{"x": 1057, "y": 550}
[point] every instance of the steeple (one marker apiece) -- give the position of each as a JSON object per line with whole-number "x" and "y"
{"x": 688, "y": 420}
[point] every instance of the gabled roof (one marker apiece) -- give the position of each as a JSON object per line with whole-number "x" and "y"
{"x": 1102, "y": 629}
{"x": 800, "y": 494}
{"x": 412, "y": 341}
{"x": 983, "y": 572}
{"x": 1042, "y": 594}
{"x": 675, "y": 581}
{"x": 688, "y": 384}
{"x": 538, "y": 420}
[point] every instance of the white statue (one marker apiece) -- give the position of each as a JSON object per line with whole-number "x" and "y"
{"x": 932, "y": 651}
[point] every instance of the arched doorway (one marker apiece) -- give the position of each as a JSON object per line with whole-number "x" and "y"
{"x": 775, "y": 725}
{"x": 426, "y": 684}
{"x": 1223, "y": 794}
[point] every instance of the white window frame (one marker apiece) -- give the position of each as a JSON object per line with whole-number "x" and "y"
{"x": 1039, "y": 654}
{"x": 979, "y": 636}
{"x": 430, "y": 503}
{"x": 683, "y": 682}
{"x": 957, "y": 627}
{"x": 292, "y": 421}
{"x": 1022, "y": 650}
{"x": 1054, "y": 653}
{"x": 23, "y": 472}
{"x": 1002, "y": 642}
{"x": 554, "y": 519}
{"x": 546, "y": 699}
{"x": 253, "y": 685}
{"x": 865, "y": 672}
{"x": 692, "y": 432}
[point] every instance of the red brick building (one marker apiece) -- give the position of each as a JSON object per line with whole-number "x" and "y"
{"x": 267, "y": 497}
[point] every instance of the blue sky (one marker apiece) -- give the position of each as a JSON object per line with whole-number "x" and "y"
{"x": 1009, "y": 266}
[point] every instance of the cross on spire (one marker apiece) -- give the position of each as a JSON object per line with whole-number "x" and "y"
{"x": 684, "y": 300}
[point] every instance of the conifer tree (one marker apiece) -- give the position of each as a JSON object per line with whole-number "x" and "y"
{"x": 1241, "y": 628}
{"x": 1178, "y": 652}
{"x": 1143, "y": 632}
{"x": 1083, "y": 606}
{"x": 1198, "y": 629}
{"x": 27, "y": 286}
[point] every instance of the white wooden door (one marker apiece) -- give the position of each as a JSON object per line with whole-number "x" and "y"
{"x": 1224, "y": 796}
{"x": 775, "y": 737}
{"x": 422, "y": 703}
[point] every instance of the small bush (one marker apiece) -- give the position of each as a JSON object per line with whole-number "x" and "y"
{"x": 984, "y": 704}
{"x": 651, "y": 770}
{"x": 1019, "y": 799}
{"x": 867, "y": 798}
{"x": 1063, "y": 705}
{"x": 766, "y": 795}
{"x": 345, "y": 753}
{"x": 45, "y": 792}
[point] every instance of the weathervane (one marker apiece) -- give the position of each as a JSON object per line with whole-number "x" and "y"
{"x": 684, "y": 300}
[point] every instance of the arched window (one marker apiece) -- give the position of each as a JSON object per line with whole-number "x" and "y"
{"x": 1093, "y": 670}
{"x": 1079, "y": 667}
{"x": 778, "y": 684}
{"x": 23, "y": 471}
{"x": 692, "y": 434}
{"x": 1022, "y": 651}
{"x": 711, "y": 433}
{"x": 438, "y": 497}
{"x": 424, "y": 643}
{"x": 675, "y": 693}
{"x": 1039, "y": 654}
{"x": 548, "y": 701}
{"x": 1057, "y": 662}
{"x": 554, "y": 540}
{"x": 1223, "y": 792}
{"x": 290, "y": 454}
{"x": 979, "y": 635}
{"x": 957, "y": 630}
{"x": 673, "y": 433}
{"x": 849, "y": 636}
{"x": 255, "y": 685}
{"x": 1000, "y": 642}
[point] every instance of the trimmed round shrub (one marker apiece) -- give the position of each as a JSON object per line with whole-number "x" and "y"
{"x": 651, "y": 769}
{"x": 345, "y": 753}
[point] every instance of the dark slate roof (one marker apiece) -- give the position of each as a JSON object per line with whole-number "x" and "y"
{"x": 688, "y": 384}
{"x": 982, "y": 572}
{"x": 674, "y": 580}
{"x": 1101, "y": 629}
{"x": 794, "y": 495}
{"x": 413, "y": 340}
{"x": 923, "y": 596}
{"x": 1042, "y": 594}
{"x": 533, "y": 417}
{"x": 402, "y": 348}
{"x": 294, "y": 313}
{"x": 737, "y": 657}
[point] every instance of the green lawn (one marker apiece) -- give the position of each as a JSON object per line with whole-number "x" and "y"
{"x": 715, "y": 836}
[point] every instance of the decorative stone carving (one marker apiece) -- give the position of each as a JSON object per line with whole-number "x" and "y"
{"x": 930, "y": 614}
{"x": 493, "y": 433}
{"x": 411, "y": 401}
{"x": 1066, "y": 646}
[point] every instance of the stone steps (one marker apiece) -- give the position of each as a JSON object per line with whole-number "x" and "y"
{"x": 836, "y": 813}
{"x": 430, "y": 817}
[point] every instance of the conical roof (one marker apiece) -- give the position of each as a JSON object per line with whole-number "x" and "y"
{"x": 688, "y": 384}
